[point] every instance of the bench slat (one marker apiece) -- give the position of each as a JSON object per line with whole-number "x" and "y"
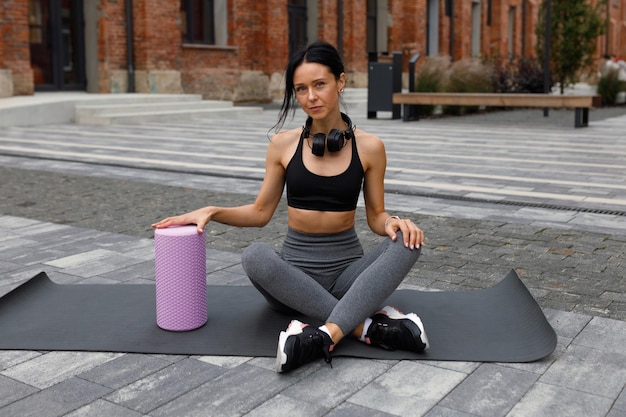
{"x": 496, "y": 100}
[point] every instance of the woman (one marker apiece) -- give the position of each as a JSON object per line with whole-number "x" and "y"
{"x": 321, "y": 270}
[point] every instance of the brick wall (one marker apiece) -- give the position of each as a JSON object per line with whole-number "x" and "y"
{"x": 532, "y": 17}
{"x": 251, "y": 66}
{"x": 617, "y": 33}
{"x": 112, "y": 62}
{"x": 3, "y": 41}
{"x": 277, "y": 35}
{"x": 355, "y": 41}
{"x": 241, "y": 71}
{"x": 408, "y": 32}
{"x": 327, "y": 21}
{"x": 157, "y": 46}
{"x": 14, "y": 46}
{"x": 251, "y": 21}
{"x": 157, "y": 34}
{"x": 156, "y": 41}
{"x": 494, "y": 37}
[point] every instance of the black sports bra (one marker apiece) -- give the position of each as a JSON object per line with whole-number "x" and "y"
{"x": 309, "y": 191}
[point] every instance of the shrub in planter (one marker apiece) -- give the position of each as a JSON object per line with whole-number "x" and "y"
{"x": 521, "y": 75}
{"x": 609, "y": 86}
{"x": 468, "y": 76}
{"x": 503, "y": 75}
{"x": 430, "y": 79}
{"x": 529, "y": 76}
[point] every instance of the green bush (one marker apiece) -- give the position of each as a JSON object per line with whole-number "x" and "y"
{"x": 468, "y": 76}
{"x": 430, "y": 79}
{"x": 609, "y": 86}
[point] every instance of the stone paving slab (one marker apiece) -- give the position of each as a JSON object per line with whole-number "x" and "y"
{"x": 586, "y": 373}
{"x": 77, "y": 214}
{"x": 568, "y": 269}
{"x": 566, "y": 167}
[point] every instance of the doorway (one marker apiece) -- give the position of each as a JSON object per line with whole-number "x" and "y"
{"x": 57, "y": 51}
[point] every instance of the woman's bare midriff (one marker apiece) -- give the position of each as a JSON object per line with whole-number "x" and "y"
{"x": 316, "y": 222}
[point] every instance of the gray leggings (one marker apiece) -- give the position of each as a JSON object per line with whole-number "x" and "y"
{"x": 327, "y": 276}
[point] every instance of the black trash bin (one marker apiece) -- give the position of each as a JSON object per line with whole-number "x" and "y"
{"x": 384, "y": 79}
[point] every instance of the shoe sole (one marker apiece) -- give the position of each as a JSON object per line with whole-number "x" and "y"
{"x": 394, "y": 313}
{"x": 294, "y": 328}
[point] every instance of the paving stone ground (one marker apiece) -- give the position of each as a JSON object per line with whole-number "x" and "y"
{"x": 56, "y": 213}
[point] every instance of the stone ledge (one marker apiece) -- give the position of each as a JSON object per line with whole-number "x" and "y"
{"x": 6, "y": 83}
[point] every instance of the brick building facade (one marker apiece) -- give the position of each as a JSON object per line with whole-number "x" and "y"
{"x": 237, "y": 49}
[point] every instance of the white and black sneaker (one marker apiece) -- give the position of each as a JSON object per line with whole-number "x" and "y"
{"x": 301, "y": 344}
{"x": 391, "y": 330}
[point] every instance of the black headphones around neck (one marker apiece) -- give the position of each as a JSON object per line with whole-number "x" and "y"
{"x": 336, "y": 138}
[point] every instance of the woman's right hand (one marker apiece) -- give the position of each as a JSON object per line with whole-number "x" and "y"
{"x": 198, "y": 217}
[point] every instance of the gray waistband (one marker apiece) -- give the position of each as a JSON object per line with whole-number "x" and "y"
{"x": 322, "y": 256}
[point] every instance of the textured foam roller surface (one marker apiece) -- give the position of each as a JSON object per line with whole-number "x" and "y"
{"x": 180, "y": 274}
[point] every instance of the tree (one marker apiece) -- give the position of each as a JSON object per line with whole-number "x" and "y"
{"x": 574, "y": 28}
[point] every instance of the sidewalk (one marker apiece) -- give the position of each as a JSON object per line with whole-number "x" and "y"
{"x": 573, "y": 264}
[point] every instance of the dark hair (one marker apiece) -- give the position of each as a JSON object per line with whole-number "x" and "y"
{"x": 318, "y": 52}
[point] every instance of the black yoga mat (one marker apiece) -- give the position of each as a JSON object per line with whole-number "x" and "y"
{"x": 499, "y": 324}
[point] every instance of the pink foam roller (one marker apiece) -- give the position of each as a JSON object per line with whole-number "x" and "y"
{"x": 180, "y": 266}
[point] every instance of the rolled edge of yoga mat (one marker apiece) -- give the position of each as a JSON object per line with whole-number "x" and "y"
{"x": 180, "y": 269}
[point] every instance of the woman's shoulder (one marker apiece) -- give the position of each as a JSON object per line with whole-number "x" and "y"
{"x": 371, "y": 149}
{"x": 286, "y": 137}
{"x": 368, "y": 141}
{"x": 283, "y": 145}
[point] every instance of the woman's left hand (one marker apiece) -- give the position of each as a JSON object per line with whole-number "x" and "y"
{"x": 412, "y": 235}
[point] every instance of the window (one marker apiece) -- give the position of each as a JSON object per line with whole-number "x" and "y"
{"x": 204, "y": 22}
{"x": 511, "y": 33}
{"x": 476, "y": 25}
{"x": 433, "y": 27}
{"x": 377, "y": 23}
{"x": 372, "y": 25}
{"x": 297, "y": 20}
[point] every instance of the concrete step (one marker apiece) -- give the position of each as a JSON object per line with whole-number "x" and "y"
{"x": 134, "y": 98}
{"x": 55, "y": 107}
{"x": 355, "y": 94}
{"x": 170, "y": 115}
{"x": 85, "y": 111}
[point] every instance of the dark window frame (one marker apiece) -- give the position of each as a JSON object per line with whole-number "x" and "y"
{"x": 66, "y": 47}
{"x": 372, "y": 26}
{"x": 198, "y": 21}
{"x": 297, "y": 16}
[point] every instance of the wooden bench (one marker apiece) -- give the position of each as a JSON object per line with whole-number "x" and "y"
{"x": 581, "y": 103}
